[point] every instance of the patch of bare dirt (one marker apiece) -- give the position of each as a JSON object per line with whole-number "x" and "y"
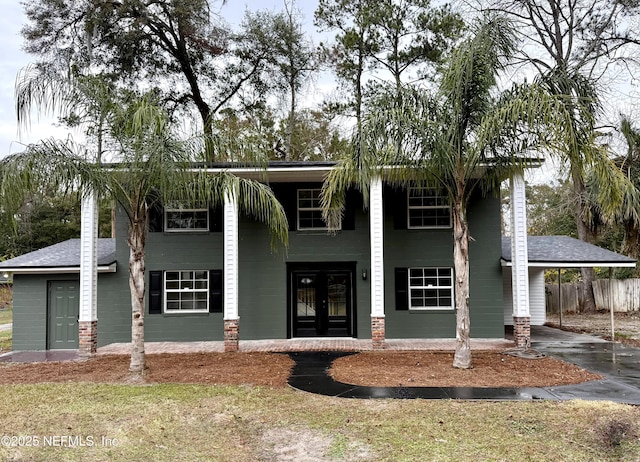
{"x": 434, "y": 369}
{"x": 298, "y": 445}
{"x": 626, "y": 325}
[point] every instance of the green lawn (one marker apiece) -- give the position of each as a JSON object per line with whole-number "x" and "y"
{"x": 6, "y": 316}
{"x": 5, "y": 341}
{"x": 75, "y": 422}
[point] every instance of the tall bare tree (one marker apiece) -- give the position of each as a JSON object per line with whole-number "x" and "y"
{"x": 411, "y": 37}
{"x": 295, "y": 59}
{"x": 181, "y": 47}
{"x": 349, "y": 54}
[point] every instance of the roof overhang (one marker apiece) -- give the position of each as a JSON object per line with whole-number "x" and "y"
{"x": 312, "y": 173}
{"x": 565, "y": 252}
{"x": 293, "y": 172}
{"x": 576, "y": 264}
{"x": 111, "y": 268}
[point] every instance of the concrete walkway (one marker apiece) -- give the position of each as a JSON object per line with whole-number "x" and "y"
{"x": 4, "y": 327}
{"x": 619, "y": 364}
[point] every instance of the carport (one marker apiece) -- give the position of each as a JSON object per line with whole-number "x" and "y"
{"x": 554, "y": 252}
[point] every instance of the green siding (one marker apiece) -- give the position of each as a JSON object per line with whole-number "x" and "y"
{"x": 30, "y": 311}
{"x": 407, "y": 248}
{"x": 263, "y": 285}
{"x": 174, "y": 251}
{"x": 485, "y": 285}
{"x": 263, "y": 296}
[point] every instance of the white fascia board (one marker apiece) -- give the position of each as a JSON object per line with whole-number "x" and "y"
{"x": 264, "y": 170}
{"x": 55, "y": 270}
{"x": 324, "y": 169}
{"x": 551, "y": 265}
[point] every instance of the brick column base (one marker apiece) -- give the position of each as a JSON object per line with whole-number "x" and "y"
{"x": 377, "y": 332}
{"x": 231, "y": 335}
{"x": 522, "y": 331}
{"x": 87, "y": 338}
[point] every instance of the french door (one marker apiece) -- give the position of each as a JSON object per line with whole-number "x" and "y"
{"x": 321, "y": 302}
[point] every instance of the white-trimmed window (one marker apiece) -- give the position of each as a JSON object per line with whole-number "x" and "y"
{"x": 310, "y": 210}
{"x": 428, "y": 208}
{"x": 431, "y": 289}
{"x": 181, "y": 218}
{"x": 186, "y": 291}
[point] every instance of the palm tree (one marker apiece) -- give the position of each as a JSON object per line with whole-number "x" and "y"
{"x": 459, "y": 140}
{"x": 151, "y": 167}
{"x": 585, "y": 158}
{"x": 628, "y": 215}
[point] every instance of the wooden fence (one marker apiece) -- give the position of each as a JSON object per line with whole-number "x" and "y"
{"x": 624, "y": 295}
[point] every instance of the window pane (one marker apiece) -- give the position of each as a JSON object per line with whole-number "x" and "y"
{"x": 173, "y": 296}
{"x": 310, "y": 210}
{"x": 188, "y": 219}
{"x": 430, "y": 272}
{"x": 430, "y": 288}
{"x": 180, "y": 290}
{"x": 172, "y": 276}
{"x": 428, "y": 208}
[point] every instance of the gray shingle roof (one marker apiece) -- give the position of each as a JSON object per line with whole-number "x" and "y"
{"x": 63, "y": 255}
{"x": 567, "y": 251}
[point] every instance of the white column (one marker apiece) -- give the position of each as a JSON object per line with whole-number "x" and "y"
{"x": 89, "y": 259}
{"x": 230, "y": 255}
{"x": 519, "y": 254}
{"x": 376, "y": 229}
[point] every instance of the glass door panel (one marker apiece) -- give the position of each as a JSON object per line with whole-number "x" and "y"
{"x": 321, "y": 303}
{"x": 306, "y": 295}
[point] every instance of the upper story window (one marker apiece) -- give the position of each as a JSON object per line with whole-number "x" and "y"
{"x": 428, "y": 208}
{"x": 430, "y": 288}
{"x": 184, "y": 218}
{"x": 186, "y": 291}
{"x": 310, "y": 210}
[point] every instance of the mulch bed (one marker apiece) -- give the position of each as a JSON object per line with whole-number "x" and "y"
{"x": 434, "y": 369}
{"x": 491, "y": 369}
{"x": 266, "y": 369}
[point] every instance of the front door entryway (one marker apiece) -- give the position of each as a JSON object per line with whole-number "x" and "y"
{"x": 321, "y": 301}
{"x": 63, "y": 310}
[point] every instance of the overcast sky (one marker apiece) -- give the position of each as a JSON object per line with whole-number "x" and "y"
{"x": 12, "y": 59}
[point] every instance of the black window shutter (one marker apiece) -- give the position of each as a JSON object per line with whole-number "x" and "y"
{"x": 215, "y": 291}
{"x": 287, "y": 194}
{"x": 156, "y": 218}
{"x": 155, "y": 292}
{"x": 402, "y": 289}
{"x": 216, "y": 218}
{"x": 353, "y": 201}
{"x": 399, "y": 207}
